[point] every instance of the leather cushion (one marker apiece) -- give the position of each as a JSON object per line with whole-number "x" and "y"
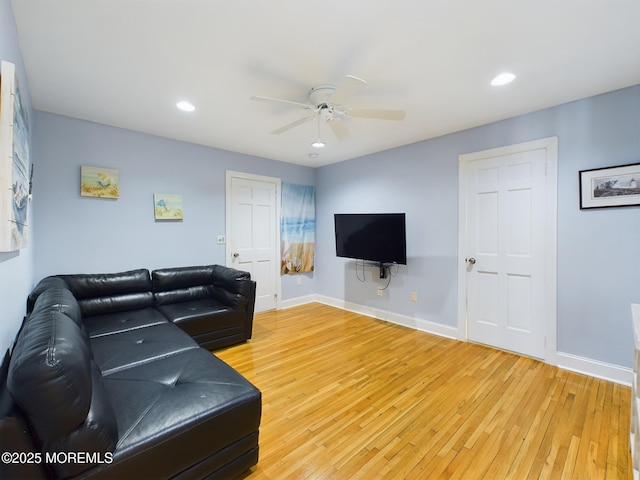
{"x": 102, "y": 293}
{"x": 231, "y": 279}
{"x": 101, "y": 284}
{"x": 52, "y": 379}
{"x": 184, "y": 284}
{"x": 202, "y": 316}
{"x": 176, "y": 411}
{"x": 109, "y": 323}
{"x": 187, "y": 294}
{"x": 52, "y": 361}
{"x": 61, "y": 300}
{"x": 234, "y": 300}
{"x": 43, "y": 285}
{"x": 181, "y": 277}
{"x": 14, "y": 433}
{"x": 98, "y": 433}
{"x": 141, "y": 345}
{"x": 115, "y": 303}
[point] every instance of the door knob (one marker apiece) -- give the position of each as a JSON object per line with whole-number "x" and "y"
{"x": 470, "y": 260}
{"x": 236, "y": 254}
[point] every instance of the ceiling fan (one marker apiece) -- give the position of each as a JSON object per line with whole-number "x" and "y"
{"x": 329, "y": 103}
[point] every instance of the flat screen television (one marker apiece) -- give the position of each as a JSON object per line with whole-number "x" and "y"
{"x": 377, "y": 237}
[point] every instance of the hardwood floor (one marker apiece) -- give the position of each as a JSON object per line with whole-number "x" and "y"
{"x": 347, "y": 396}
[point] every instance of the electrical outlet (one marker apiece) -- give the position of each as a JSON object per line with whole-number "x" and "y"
{"x": 414, "y": 296}
{"x": 380, "y": 291}
{"x": 298, "y": 280}
{"x": 221, "y": 240}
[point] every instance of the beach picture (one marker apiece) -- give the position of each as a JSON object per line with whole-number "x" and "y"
{"x": 298, "y": 224}
{"x": 167, "y": 206}
{"x": 14, "y": 162}
{"x": 99, "y": 182}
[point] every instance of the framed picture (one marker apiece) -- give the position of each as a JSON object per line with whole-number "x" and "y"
{"x": 610, "y": 186}
{"x": 15, "y": 171}
{"x": 167, "y": 206}
{"x": 99, "y": 182}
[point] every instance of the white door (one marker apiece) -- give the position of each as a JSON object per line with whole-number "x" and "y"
{"x": 507, "y": 246}
{"x": 253, "y": 233}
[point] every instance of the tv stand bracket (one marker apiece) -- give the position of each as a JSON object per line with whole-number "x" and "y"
{"x": 383, "y": 270}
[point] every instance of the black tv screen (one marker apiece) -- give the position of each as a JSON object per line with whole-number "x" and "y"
{"x": 378, "y": 237}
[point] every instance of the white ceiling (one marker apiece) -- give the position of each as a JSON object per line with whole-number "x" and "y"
{"x": 127, "y": 62}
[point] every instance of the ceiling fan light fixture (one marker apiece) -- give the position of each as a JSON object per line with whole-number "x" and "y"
{"x": 185, "y": 106}
{"x": 503, "y": 79}
{"x": 318, "y": 143}
{"x": 330, "y": 103}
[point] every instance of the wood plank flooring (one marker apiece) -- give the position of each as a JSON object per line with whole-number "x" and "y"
{"x": 349, "y": 397}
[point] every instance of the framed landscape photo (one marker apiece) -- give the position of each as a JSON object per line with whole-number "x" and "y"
{"x": 617, "y": 186}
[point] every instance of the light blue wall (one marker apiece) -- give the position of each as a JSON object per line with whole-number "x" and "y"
{"x": 81, "y": 234}
{"x": 598, "y": 250}
{"x": 15, "y": 267}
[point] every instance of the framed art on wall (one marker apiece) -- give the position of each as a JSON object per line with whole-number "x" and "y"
{"x": 14, "y": 163}
{"x": 167, "y": 206}
{"x": 617, "y": 186}
{"x": 99, "y": 182}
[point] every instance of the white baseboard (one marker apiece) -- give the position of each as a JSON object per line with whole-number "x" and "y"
{"x": 296, "y": 302}
{"x": 411, "y": 322}
{"x": 595, "y": 368}
{"x": 566, "y": 361}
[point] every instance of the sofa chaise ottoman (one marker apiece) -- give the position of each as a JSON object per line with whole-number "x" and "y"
{"x": 103, "y": 382}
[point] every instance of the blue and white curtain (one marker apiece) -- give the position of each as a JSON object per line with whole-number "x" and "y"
{"x": 298, "y": 227}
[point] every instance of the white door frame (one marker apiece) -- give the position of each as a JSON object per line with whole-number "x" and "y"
{"x": 228, "y": 251}
{"x": 551, "y": 171}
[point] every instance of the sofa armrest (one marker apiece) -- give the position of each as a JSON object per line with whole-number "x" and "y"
{"x": 251, "y": 304}
{"x": 232, "y": 280}
{"x": 236, "y": 289}
{"x": 186, "y": 284}
{"x": 235, "y": 285}
{"x": 230, "y": 287}
{"x": 44, "y": 284}
{"x": 15, "y": 435}
{"x": 230, "y": 299}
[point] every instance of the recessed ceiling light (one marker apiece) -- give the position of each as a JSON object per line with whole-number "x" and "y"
{"x": 185, "y": 106}
{"x": 503, "y": 79}
{"x": 313, "y": 155}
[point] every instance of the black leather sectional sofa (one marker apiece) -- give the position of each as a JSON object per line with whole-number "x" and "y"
{"x": 108, "y": 378}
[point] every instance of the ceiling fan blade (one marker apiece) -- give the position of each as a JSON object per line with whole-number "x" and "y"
{"x": 291, "y": 125}
{"x": 339, "y": 130}
{"x": 279, "y": 100}
{"x": 378, "y": 113}
{"x": 346, "y": 89}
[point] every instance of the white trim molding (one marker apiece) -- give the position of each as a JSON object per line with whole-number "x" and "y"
{"x": 595, "y": 368}
{"x": 391, "y": 317}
